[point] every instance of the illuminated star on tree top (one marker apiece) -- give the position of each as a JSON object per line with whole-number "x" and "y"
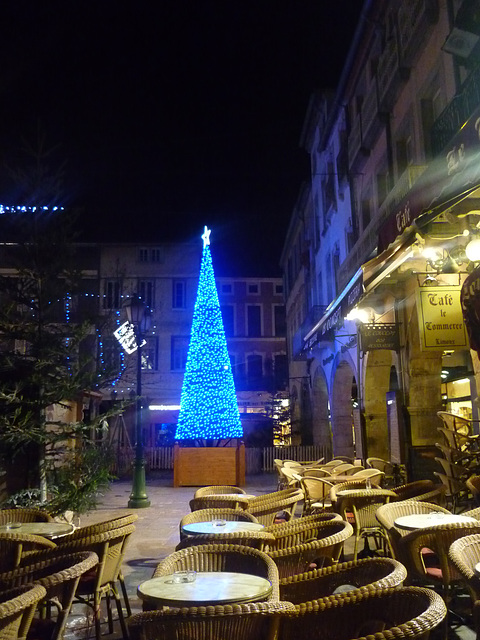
{"x": 206, "y": 236}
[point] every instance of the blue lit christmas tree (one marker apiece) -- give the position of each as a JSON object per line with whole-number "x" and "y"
{"x": 208, "y": 405}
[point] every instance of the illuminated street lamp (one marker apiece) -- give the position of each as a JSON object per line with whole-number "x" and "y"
{"x": 138, "y": 316}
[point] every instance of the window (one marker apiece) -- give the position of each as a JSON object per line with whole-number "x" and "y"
{"x": 404, "y": 154}
{"x": 143, "y": 255}
{"x": 111, "y": 354}
{"x": 179, "y": 294}
{"x": 150, "y": 354}
{"x": 111, "y": 294}
{"x": 255, "y": 368}
{"x": 253, "y": 288}
{"x": 156, "y": 255}
{"x": 254, "y": 322}
{"x": 281, "y": 371}
{"x": 226, "y": 288}
{"x": 280, "y": 321}
{"x": 228, "y": 319}
{"x": 279, "y": 289}
{"x": 179, "y": 352}
{"x": 366, "y": 214}
{"x": 146, "y": 291}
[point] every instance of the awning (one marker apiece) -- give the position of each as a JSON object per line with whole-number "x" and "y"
{"x": 448, "y": 179}
{"x": 336, "y": 311}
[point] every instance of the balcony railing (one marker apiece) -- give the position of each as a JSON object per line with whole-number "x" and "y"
{"x": 457, "y": 112}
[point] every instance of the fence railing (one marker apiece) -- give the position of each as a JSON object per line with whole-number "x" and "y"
{"x": 257, "y": 459}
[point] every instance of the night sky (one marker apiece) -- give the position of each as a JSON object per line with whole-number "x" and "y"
{"x": 172, "y": 114}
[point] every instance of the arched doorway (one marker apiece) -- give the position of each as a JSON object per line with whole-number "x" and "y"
{"x": 321, "y": 430}
{"x": 342, "y": 421}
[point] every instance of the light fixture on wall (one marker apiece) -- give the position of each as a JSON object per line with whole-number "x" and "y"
{"x": 472, "y": 250}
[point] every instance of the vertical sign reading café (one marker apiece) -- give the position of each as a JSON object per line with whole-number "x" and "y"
{"x": 440, "y": 318}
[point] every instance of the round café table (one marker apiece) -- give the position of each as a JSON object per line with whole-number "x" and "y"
{"x": 433, "y": 519}
{"x": 46, "y": 529}
{"x": 230, "y": 526}
{"x": 208, "y": 588}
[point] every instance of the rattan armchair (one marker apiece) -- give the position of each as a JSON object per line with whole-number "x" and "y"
{"x": 265, "y": 508}
{"x": 384, "y": 614}
{"x": 306, "y": 521}
{"x": 15, "y": 548}
{"x": 362, "y": 505}
{"x": 222, "y": 557}
{"x": 218, "y": 501}
{"x": 366, "y": 575}
{"x": 252, "y": 621}
{"x": 316, "y": 494}
{"x": 218, "y": 490}
{"x": 102, "y": 581}
{"x": 24, "y": 515}
{"x": 464, "y": 553}
{"x": 438, "y": 540}
{"x": 388, "y": 513}
{"x": 17, "y": 607}
{"x": 306, "y": 529}
{"x": 421, "y": 491}
{"x": 59, "y": 575}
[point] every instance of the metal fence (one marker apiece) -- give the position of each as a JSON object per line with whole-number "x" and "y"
{"x": 257, "y": 460}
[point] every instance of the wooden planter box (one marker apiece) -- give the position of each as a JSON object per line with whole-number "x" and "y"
{"x": 202, "y": 466}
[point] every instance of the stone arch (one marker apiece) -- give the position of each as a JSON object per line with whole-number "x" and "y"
{"x": 341, "y": 409}
{"x": 378, "y": 377}
{"x": 321, "y": 429}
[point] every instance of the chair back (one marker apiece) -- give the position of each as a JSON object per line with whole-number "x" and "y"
{"x": 456, "y": 423}
{"x": 307, "y": 529}
{"x": 375, "y": 475}
{"x": 255, "y": 539}
{"x": 408, "y": 612}
{"x": 265, "y": 508}
{"x": 237, "y": 622}
{"x": 17, "y": 607}
{"x": 24, "y": 515}
{"x": 99, "y": 527}
{"x": 342, "y": 469}
{"x": 218, "y": 501}
{"x": 215, "y": 490}
{"x": 464, "y": 554}
{"x": 59, "y": 575}
{"x": 381, "y": 465}
{"x": 438, "y": 540}
{"x": 316, "y": 493}
{"x": 222, "y": 557}
{"x": 367, "y": 574}
{"x": 16, "y": 547}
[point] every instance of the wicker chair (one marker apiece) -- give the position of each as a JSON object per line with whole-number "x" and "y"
{"x": 217, "y": 490}
{"x": 222, "y": 557}
{"x": 265, "y": 508}
{"x": 102, "y": 527}
{"x": 316, "y": 494}
{"x": 307, "y": 529}
{"x": 438, "y": 540}
{"x": 464, "y": 553}
{"x": 15, "y": 548}
{"x": 59, "y": 575}
{"x": 388, "y": 513}
{"x": 360, "y": 483}
{"x": 409, "y": 612}
{"x": 252, "y": 621}
{"x": 110, "y": 548}
{"x": 368, "y": 574}
{"x": 17, "y": 607}
{"x": 307, "y": 521}
{"x": 254, "y": 539}
{"x": 24, "y": 515}
{"x": 219, "y": 502}
{"x": 421, "y": 491}
{"x": 362, "y": 505}
{"x": 323, "y": 551}
{"x": 473, "y": 485}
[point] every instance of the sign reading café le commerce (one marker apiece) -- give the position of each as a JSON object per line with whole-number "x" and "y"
{"x": 440, "y": 318}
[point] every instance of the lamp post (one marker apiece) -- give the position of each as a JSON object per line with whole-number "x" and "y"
{"x": 139, "y": 317}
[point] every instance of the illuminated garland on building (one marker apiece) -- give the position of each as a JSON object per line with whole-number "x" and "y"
{"x": 208, "y": 405}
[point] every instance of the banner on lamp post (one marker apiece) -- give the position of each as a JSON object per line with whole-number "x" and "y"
{"x": 440, "y": 318}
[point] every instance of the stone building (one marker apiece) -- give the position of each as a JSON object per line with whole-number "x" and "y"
{"x": 377, "y": 249}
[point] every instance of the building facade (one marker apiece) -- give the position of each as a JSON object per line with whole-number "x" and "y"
{"x": 377, "y": 249}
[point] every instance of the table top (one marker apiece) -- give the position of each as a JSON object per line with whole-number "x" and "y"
{"x": 423, "y": 520}
{"x": 45, "y": 529}
{"x": 209, "y": 587}
{"x": 230, "y": 526}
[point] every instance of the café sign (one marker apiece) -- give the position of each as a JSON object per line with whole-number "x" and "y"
{"x": 440, "y": 318}
{"x": 379, "y": 336}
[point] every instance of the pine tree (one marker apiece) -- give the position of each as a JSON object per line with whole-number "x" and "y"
{"x": 208, "y": 405}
